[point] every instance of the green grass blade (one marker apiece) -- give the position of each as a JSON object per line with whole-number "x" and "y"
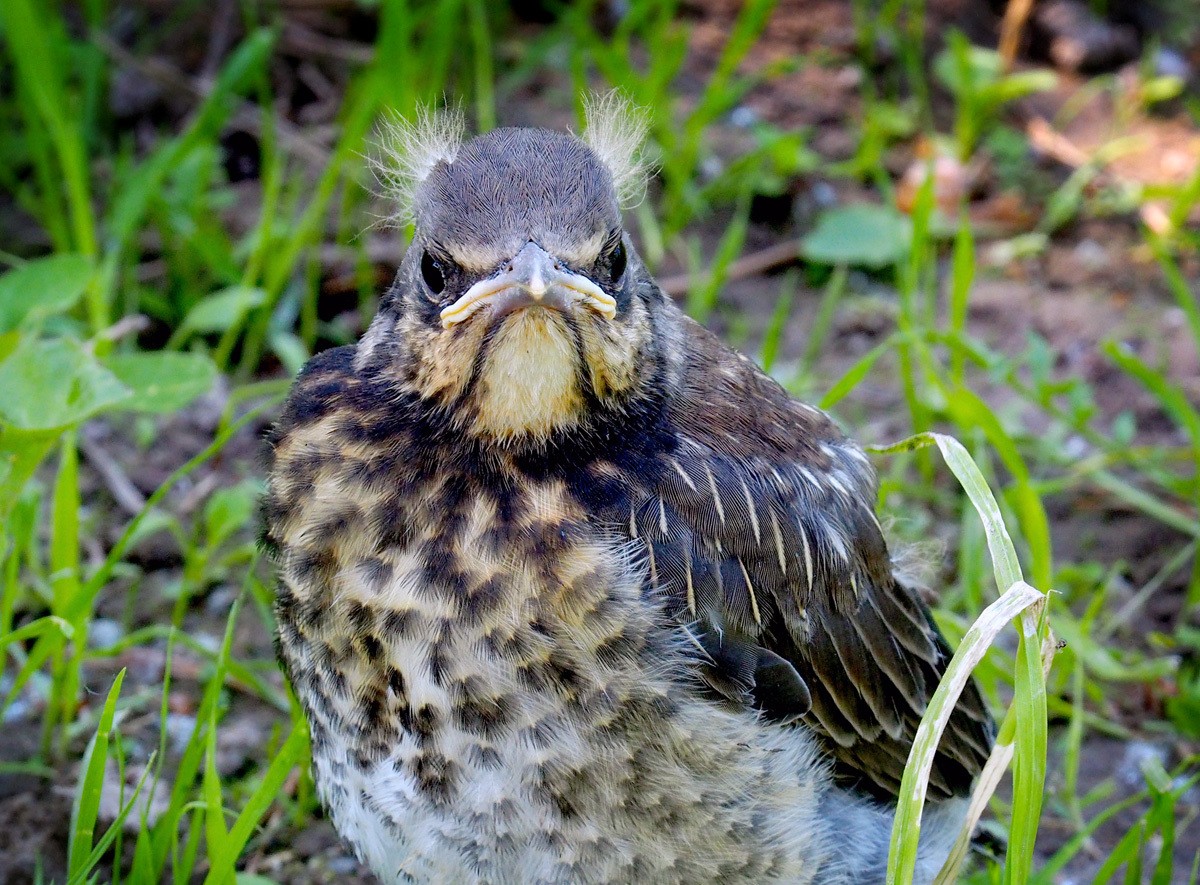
{"x": 112, "y": 833}
{"x": 100, "y": 578}
{"x": 1005, "y": 564}
{"x": 37, "y": 62}
{"x": 906, "y": 828}
{"x": 65, "y": 585}
{"x": 86, "y": 807}
{"x": 856, "y": 373}
{"x": 962, "y": 275}
{"x": 773, "y": 334}
{"x": 1017, "y": 598}
{"x": 1139, "y": 499}
{"x": 1029, "y": 759}
{"x": 818, "y": 333}
{"x": 36, "y": 628}
{"x": 215, "y": 833}
{"x": 703, "y": 294}
{"x": 989, "y": 779}
{"x": 293, "y": 753}
{"x": 1184, "y": 294}
{"x": 1050, "y": 871}
{"x": 969, "y": 411}
{"x": 485, "y": 96}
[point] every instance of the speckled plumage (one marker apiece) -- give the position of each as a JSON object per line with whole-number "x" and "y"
{"x": 576, "y": 599}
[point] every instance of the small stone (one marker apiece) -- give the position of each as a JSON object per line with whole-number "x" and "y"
{"x": 237, "y": 740}
{"x": 104, "y": 632}
{"x": 1137, "y": 754}
{"x": 823, "y": 194}
{"x": 208, "y": 641}
{"x": 1076, "y": 447}
{"x": 743, "y": 117}
{"x": 114, "y": 794}
{"x": 180, "y": 728}
{"x": 220, "y": 600}
{"x": 711, "y": 168}
{"x": 1171, "y": 63}
{"x": 1091, "y": 255}
{"x": 343, "y": 865}
{"x": 951, "y": 183}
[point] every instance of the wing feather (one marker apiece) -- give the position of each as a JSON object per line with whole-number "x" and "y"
{"x": 762, "y": 529}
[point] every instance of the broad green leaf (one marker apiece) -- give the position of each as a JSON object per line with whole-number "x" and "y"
{"x": 291, "y": 351}
{"x": 963, "y": 68}
{"x": 20, "y": 453}
{"x": 55, "y": 383}
{"x": 223, "y": 309}
{"x": 156, "y": 521}
{"x": 163, "y": 381}
{"x": 230, "y": 509}
{"x": 8, "y": 343}
{"x": 41, "y": 288}
{"x": 860, "y": 234}
{"x": 969, "y": 70}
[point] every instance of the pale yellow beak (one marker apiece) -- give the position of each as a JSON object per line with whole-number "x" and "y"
{"x": 533, "y": 277}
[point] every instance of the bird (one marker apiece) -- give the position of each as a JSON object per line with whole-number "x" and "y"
{"x": 568, "y": 590}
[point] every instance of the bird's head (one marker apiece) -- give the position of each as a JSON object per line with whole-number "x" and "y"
{"x": 521, "y": 307}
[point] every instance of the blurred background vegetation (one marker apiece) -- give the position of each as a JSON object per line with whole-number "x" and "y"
{"x": 960, "y": 215}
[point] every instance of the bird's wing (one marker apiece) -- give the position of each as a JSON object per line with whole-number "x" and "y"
{"x": 759, "y": 527}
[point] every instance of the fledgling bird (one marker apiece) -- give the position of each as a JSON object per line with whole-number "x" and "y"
{"x": 571, "y": 592}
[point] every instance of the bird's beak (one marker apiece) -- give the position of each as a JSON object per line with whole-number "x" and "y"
{"x": 533, "y": 277}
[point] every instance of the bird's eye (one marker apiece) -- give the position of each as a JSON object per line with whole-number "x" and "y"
{"x": 616, "y": 262}
{"x": 431, "y": 271}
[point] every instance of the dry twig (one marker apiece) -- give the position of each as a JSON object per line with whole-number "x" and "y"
{"x": 779, "y": 255}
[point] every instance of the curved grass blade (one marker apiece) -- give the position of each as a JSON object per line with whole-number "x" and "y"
{"x": 1029, "y": 705}
{"x": 86, "y": 807}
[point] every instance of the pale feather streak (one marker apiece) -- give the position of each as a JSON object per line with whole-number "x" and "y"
{"x": 753, "y": 596}
{"x": 716, "y": 494}
{"x": 779, "y": 549}
{"x": 753, "y": 511}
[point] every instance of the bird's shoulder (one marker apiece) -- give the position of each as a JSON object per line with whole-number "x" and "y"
{"x": 729, "y": 404}
{"x": 338, "y": 408}
{"x": 343, "y": 438}
{"x": 759, "y": 525}
{"x": 328, "y": 384}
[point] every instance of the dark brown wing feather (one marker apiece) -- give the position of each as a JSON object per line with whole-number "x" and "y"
{"x": 760, "y": 527}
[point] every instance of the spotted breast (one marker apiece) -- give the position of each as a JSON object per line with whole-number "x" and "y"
{"x": 492, "y": 695}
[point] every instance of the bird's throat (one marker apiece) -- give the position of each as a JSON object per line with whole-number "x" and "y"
{"x": 530, "y": 380}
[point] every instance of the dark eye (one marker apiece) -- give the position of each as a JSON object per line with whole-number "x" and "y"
{"x": 431, "y": 271}
{"x": 616, "y": 262}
